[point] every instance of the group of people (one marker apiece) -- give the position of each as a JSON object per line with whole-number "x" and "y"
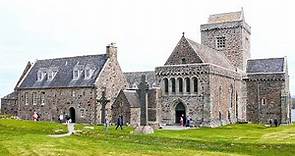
{"x": 119, "y": 123}
{"x": 185, "y": 122}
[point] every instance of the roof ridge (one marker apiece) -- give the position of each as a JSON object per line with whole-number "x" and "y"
{"x": 70, "y": 57}
{"x": 266, "y": 58}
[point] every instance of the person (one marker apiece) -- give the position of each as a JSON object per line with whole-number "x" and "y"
{"x": 276, "y": 122}
{"x": 187, "y": 123}
{"x": 38, "y": 118}
{"x": 61, "y": 118}
{"x": 120, "y": 122}
{"x": 70, "y": 120}
{"x": 270, "y": 122}
{"x": 181, "y": 120}
{"x": 35, "y": 116}
{"x": 67, "y": 118}
{"x": 106, "y": 124}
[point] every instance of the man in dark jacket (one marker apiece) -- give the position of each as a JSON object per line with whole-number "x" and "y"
{"x": 120, "y": 122}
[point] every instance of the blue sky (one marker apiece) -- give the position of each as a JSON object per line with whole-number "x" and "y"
{"x": 145, "y": 31}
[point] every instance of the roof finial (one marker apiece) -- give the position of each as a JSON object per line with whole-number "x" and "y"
{"x": 182, "y": 34}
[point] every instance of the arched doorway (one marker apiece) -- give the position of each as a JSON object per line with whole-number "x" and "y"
{"x": 179, "y": 111}
{"x": 72, "y": 114}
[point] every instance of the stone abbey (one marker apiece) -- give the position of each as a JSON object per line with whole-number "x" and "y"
{"x": 215, "y": 82}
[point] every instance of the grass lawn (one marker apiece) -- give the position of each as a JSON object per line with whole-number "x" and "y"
{"x": 19, "y": 137}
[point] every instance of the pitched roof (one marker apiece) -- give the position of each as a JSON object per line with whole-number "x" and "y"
{"x": 225, "y": 17}
{"x": 64, "y": 72}
{"x": 269, "y": 65}
{"x": 209, "y": 55}
{"x": 132, "y": 98}
{"x": 134, "y": 78}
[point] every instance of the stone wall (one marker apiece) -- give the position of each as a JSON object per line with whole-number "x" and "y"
{"x": 58, "y": 101}
{"x": 267, "y": 99}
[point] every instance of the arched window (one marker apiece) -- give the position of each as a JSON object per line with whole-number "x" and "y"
{"x": 165, "y": 85}
{"x": 195, "y": 80}
{"x": 180, "y": 85}
{"x": 188, "y": 85}
{"x": 173, "y": 84}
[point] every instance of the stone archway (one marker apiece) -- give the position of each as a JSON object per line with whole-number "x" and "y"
{"x": 72, "y": 114}
{"x": 180, "y": 111}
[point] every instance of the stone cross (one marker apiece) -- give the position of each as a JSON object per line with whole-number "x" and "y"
{"x": 103, "y": 101}
{"x": 143, "y": 100}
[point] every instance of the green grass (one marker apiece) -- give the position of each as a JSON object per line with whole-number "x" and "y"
{"x": 19, "y": 137}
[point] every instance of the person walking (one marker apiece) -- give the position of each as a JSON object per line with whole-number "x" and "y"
{"x": 106, "y": 124}
{"x": 120, "y": 122}
{"x": 35, "y": 116}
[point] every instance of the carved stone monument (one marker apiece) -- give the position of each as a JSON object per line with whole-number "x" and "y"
{"x": 142, "y": 92}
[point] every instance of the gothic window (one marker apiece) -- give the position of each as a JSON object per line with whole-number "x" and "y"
{"x": 188, "y": 85}
{"x": 42, "y": 98}
{"x": 173, "y": 85}
{"x": 35, "y": 98}
{"x": 180, "y": 85}
{"x": 183, "y": 61}
{"x": 195, "y": 80}
{"x": 26, "y": 98}
{"x": 166, "y": 85}
{"x": 220, "y": 42}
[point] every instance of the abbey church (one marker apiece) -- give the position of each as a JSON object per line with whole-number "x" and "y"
{"x": 214, "y": 83}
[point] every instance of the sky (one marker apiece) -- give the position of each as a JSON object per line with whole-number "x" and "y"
{"x": 145, "y": 31}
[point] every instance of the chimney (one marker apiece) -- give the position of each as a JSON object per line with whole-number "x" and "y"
{"x": 111, "y": 51}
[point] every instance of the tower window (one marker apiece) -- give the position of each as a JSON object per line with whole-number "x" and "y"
{"x": 220, "y": 42}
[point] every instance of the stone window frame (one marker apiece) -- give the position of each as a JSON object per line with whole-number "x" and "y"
{"x": 180, "y": 85}
{"x": 165, "y": 85}
{"x": 187, "y": 81}
{"x": 73, "y": 93}
{"x": 173, "y": 85}
{"x": 195, "y": 85}
{"x": 220, "y": 42}
{"x": 26, "y": 98}
{"x": 42, "y": 98}
{"x": 82, "y": 112}
{"x": 34, "y": 98}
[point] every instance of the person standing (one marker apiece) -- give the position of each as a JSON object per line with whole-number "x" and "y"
{"x": 181, "y": 120}
{"x": 106, "y": 124}
{"x": 120, "y": 122}
{"x": 35, "y": 116}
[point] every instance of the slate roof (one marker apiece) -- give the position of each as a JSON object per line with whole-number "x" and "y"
{"x": 225, "y": 17}
{"x": 64, "y": 75}
{"x": 269, "y": 65}
{"x": 209, "y": 55}
{"x": 12, "y": 95}
{"x": 132, "y": 98}
{"x": 134, "y": 78}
